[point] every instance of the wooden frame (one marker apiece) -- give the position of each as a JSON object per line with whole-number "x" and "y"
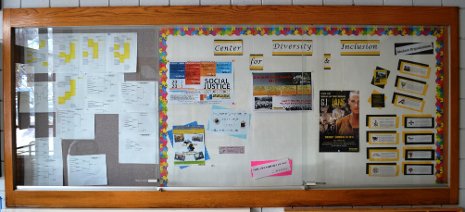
{"x": 378, "y": 209}
{"x": 54, "y": 17}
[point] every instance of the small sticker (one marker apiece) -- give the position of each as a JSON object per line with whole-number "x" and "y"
{"x": 231, "y": 150}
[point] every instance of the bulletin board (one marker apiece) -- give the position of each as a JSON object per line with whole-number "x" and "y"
{"x": 100, "y": 130}
{"x": 345, "y": 71}
{"x": 340, "y": 103}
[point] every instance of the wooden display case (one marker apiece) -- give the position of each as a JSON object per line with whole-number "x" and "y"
{"x": 161, "y": 196}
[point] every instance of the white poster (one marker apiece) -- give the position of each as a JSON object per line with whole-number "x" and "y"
{"x": 87, "y": 170}
{"x": 138, "y": 138}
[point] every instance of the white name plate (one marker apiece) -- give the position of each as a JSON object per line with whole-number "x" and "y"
{"x": 292, "y": 48}
{"x": 360, "y": 48}
{"x": 413, "y": 48}
{"x": 256, "y": 62}
{"x": 228, "y": 47}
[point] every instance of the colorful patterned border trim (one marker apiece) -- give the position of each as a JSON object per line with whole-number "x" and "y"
{"x": 439, "y": 167}
{"x": 438, "y": 32}
{"x": 163, "y": 117}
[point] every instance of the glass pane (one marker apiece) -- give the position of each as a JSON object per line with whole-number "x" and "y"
{"x": 240, "y": 107}
{"x": 87, "y": 111}
{"x": 379, "y": 104}
{"x": 253, "y": 117}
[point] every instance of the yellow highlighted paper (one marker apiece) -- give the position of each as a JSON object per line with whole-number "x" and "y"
{"x": 94, "y": 46}
{"x": 68, "y": 94}
{"x": 71, "y": 55}
{"x": 126, "y": 52}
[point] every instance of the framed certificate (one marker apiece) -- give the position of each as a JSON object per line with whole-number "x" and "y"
{"x": 412, "y": 86}
{"x": 425, "y": 153}
{"x": 382, "y": 137}
{"x": 418, "y": 137}
{"x": 414, "y": 68}
{"x": 418, "y": 121}
{"x": 418, "y": 168}
{"x": 382, "y": 121}
{"x": 408, "y": 102}
{"x": 382, "y": 169}
{"x": 382, "y": 154}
